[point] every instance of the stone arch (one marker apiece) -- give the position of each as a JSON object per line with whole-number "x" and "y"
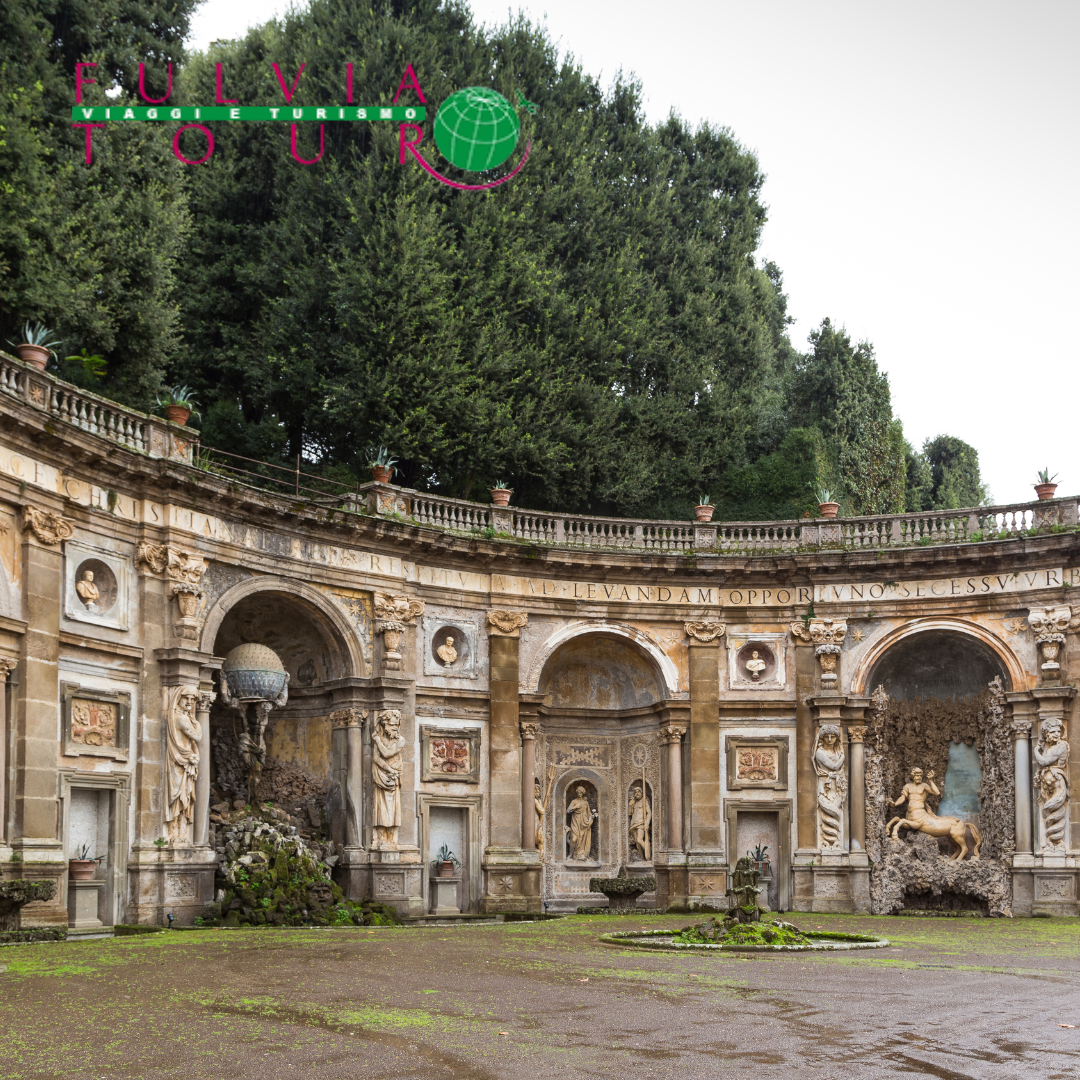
{"x": 661, "y": 665}
{"x": 986, "y": 644}
{"x": 338, "y": 633}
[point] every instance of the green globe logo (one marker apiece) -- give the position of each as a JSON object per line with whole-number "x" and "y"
{"x": 476, "y": 129}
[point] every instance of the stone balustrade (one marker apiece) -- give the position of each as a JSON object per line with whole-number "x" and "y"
{"x": 586, "y": 531}
{"x": 134, "y": 430}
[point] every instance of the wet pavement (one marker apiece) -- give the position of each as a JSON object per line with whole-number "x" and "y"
{"x": 951, "y": 998}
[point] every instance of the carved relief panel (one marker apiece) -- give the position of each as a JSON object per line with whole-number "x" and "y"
{"x": 452, "y": 755}
{"x": 756, "y": 763}
{"x": 95, "y": 722}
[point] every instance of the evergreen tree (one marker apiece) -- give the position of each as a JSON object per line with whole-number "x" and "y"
{"x": 955, "y": 477}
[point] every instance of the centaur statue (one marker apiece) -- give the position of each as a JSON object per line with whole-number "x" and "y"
{"x": 918, "y": 817}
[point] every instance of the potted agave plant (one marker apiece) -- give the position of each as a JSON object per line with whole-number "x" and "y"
{"x": 501, "y": 492}
{"x": 828, "y": 507}
{"x": 704, "y": 509}
{"x": 178, "y": 404}
{"x": 381, "y": 465}
{"x": 447, "y": 862}
{"x": 82, "y": 867}
{"x": 35, "y": 349}
{"x": 1046, "y": 487}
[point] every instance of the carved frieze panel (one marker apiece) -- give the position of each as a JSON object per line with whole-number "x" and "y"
{"x": 757, "y": 762}
{"x": 96, "y": 722}
{"x": 450, "y": 755}
{"x": 593, "y": 757}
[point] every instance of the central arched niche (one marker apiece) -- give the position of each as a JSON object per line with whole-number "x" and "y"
{"x": 941, "y": 664}
{"x": 599, "y": 671}
{"x": 298, "y": 771}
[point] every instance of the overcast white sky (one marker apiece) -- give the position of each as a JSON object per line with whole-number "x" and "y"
{"x": 922, "y": 161}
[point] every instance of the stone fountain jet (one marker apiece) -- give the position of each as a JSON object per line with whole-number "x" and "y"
{"x": 254, "y": 681}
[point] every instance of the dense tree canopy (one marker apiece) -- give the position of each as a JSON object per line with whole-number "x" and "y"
{"x": 599, "y": 332}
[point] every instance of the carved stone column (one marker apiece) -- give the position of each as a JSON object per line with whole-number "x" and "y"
{"x": 857, "y": 787}
{"x": 348, "y": 732}
{"x": 672, "y": 734}
{"x": 7, "y": 666}
{"x": 201, "y": 831}
{"x": 528, "y": 773}
{"x": 1021, "y": 733}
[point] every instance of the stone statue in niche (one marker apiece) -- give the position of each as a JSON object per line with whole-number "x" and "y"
{"x": 183, "y": 732}
{"x": 920, "y": 819}
{"x": 88, "y": 591}
{"x": 386, "y": 747}
{"x": 755, "y": 665}
{"x": 446, "y": 652}
{"x": 828, "y": 759}
{"x": 1052, "y": 780}
{"x": 640, "y": 816}
{"x": 580, "y": 817}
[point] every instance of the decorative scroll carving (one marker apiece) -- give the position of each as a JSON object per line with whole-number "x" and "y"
{"x": 386, "y": 764}
{"x": 507, "y": 623}
{"x": 820, "y": 631}
{"x": 348, "y": 718}
{"x": 49, "y": 528}
{"x": 151, "y": 558}
{"x": 1052, "y": 780}
{"x": 827, "y": 656}
{"x": 705, "y": 631}
{"x": 828, "y": 760}
{"x": 184, "y": 566}
{"x": 183, "y": 732}
{"x": 397, "y": 608}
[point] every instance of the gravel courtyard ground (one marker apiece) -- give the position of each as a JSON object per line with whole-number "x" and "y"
{"x": 952, "y": 998}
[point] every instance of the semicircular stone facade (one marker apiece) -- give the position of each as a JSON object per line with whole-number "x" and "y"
{"x": 879, "y": 710}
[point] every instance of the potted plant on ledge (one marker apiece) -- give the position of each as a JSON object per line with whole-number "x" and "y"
{"x": 35, "y": 349}
{"x": 1046, "y": 487}
{"x": 828, "y": 507}
{"x": 178, "y": 404}
{"x": 447, "y": 862}
{"x": 381, "y": 465}
{"x": 501, "y": 492}
{"x": 81, "y": 867}
{"x": 704, "y": 509}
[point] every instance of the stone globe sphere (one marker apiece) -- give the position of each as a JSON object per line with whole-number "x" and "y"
{"x": 254, "y": 672}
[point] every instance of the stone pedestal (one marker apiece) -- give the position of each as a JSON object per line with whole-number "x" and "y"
{"x": 396, "y": 880}
{"x": 83, "y": 904}
{"x": 511, "y": 880}
{"x": 444, "y": 896}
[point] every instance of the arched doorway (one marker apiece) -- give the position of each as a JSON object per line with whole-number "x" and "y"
{"x": 599, "y": 763}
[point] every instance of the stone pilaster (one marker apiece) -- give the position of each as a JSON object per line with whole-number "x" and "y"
{"x": 7, "y": 666}
{"x": 511, "y": 873}
{"x": 34, "y": 841}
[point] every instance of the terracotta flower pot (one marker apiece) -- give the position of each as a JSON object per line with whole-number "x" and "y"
{"x": 828, "y": 510}
{"x": 33, "y": 354}
{"x": 1045, "y": 491}
{"x": 178, "y": 414}
{"x": 501, "y": 496}
{"x": 704, "y": 512}
{"x": 82, "y": 869}
{"x": 446, "y": 869}
{"x": 380, "y": 474}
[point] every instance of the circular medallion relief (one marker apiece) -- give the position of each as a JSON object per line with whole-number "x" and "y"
{"x": 95, "y": 586}
{"x": 450, "y": 647}
{"x": 756, "y": 662}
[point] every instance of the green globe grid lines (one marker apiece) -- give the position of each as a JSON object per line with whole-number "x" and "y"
{"x": 476, "y": 129}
